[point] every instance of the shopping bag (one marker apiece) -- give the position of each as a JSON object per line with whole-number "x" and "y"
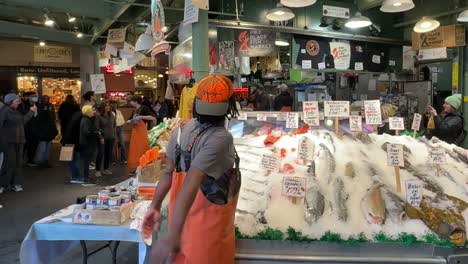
{"x": 66, "y": 153}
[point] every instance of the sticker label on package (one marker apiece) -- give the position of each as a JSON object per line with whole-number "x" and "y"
{"x": 413, "y": 192}
{"x": 395, "y": 155}
{"x": 269, "y": 162}
{"x": 294, "y": 186}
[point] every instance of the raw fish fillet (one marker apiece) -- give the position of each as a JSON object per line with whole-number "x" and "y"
{"x": 373, "y": 205}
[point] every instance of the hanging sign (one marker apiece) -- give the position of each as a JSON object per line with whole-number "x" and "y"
{"x": 261, "y": 117}
{"x": 53, "y": 54}
{"x": 292, "y": 120}
{"x": 256, "y": 43}
{"x": 414, "y": 192}
{"x": 190, "y": 12}
{"x": 116, "y": 35}
{"x": 269, "y": 162}
{"x": 373, "y": 112}
{"x": 416, "y": 122}
{"x": 409, "y": 57}
{"x": 341, "y": 52}
{"x": 242, "y": 116}
{"x": 438, "y": 156}
{"x": 355, "y": 123}
{"x": 202, "y": 4}
{"x": 395, "y": 157}
{"x": 311, "y": 113}
{"x": 336, "y": 109}
{"x": 112, "y": 50}
{"x": 396, "y": 123}
{"x": 98, "y": 84}
{"x": 444, "y": 36}
{"x": 335, "y": 11}
{"x": 294, "y": 186}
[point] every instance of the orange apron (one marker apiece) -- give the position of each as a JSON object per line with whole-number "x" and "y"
{"x": 139, "y": 144}
{"x": 208, "y": 236}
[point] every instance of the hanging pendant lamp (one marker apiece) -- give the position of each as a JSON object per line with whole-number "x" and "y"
{"x": 358, "y": 21}
{"x": 280, "y": 14}
{"x": 394, "y": 6}
{"x": 297, "y": 3}
{"x": 426, "y": 24}
{"x": 463, "y": 17}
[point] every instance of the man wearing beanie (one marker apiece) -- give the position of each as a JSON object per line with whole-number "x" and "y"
{"x": 203, "y": 178}
{"x": 12, "y": 130}
{"x": 450, "y": 127}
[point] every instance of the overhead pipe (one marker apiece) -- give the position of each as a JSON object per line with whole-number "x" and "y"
{"x": 443, "y": 14}
{"x": 307, "y": 32}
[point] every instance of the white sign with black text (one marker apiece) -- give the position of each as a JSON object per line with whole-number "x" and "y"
{"x": 336, "y": 109}
{"x": 294, "y": 186}
{"x": 414, "y": 192}
{"x": 396, "y": 123}
{"x": 395, "y": 155}
{"x": 311, "y": 113}
{"x": 355, "y": 123}
{"x": 373, "y": 112}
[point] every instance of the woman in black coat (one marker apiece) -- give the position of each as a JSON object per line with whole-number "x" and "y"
{"x": 65, "y": 113}
{"x": 47, "y": 130}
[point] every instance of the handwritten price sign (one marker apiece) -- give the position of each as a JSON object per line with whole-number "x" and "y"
{"x": 396, "y": 123}
{"x": 336, "y": 109}
{"x": 395, "y": 157}
{"x": 416, "y": 122}
{"x": 292, "y": 120}
{"x": 294, "y": 186}
{"x": 413, "y": 193}
{"x": 373, "y": 112}
{"x": 242, "y": 116}
{"x": 438, "y": 156}
{"x": 311, "y": 113}
{"x": 355, "y": 123}
{"x": 261, "y": 117}
{"x": 269, "y": 162}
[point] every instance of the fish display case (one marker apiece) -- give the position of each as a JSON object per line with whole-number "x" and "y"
{"x": 310, "y": 195}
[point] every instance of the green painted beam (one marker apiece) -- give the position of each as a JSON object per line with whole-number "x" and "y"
{"x": 9, "y": 29}
{"x": 98, "y": 31}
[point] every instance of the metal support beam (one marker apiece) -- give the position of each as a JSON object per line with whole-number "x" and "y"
{"x": 200, "y": 45}
{"x": 108, "y": 22}
{"x": 15, "y": 30}
{"x": 308, "y": 32}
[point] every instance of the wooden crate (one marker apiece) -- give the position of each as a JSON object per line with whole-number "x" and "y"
{"x": 103, "y": 217}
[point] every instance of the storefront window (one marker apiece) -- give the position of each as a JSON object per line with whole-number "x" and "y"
{"x": 27, "y": 84}
{"x": 58, "y": 89}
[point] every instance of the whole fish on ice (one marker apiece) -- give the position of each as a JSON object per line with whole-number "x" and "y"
{"x": 373, "y": 205}
{"x": 339, "y": 198}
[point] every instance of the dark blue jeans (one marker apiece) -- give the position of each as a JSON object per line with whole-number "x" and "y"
{"x": 121, "y": 144}
{"x": 75, "y": 165}
{"x": 87, "y": 154}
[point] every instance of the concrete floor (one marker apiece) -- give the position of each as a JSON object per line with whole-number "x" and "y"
{"x": 45, "y": 192}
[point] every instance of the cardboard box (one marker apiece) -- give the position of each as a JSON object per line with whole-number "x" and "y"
{"x": 103, "y": 217}
{"x": 445, "y": 36}
{"x": 151, "y": 173}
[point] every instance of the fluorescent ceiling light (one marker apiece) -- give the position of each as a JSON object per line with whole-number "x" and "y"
{"x": 71, "y": 19}
{"x": 42, "y": 43}
{"x": 426, "y": 24}
{"x": 48, "y": 22}
{"x": 463, "y": 17}
{"x": 79, "y": 35}
{"x": 297, "y": 3}
{"x": 145, "y": 40}
{"x": 280, "y": 14}
{"x": 281, "y": 42}
{"x": 394, "y": 6}
{"x": 160, "y": 75}
{"x": 358, "y": 21}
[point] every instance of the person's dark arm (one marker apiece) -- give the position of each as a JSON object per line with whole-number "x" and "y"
{"x": 448, "y": 126}
{"x": 164, "y": 186}
{"x": 20, "y": 119}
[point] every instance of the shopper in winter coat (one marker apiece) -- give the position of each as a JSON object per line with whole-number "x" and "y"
{"x": 284, "y": 101}
{"x": 12, "y": 129}
{"x": 161, "y": 109}
{"x": 106, "y": 124}
{"x": 119, "y": 123}
{"x": 71, "y": 136}
{"x": 450, "y": 127}
{"x": 46, "y": 130}
{"x": 261, "y": 100}
{"x": 89, "y": 98}
{"x": 90, "y": 136}
{"x": 30, "y": 129}
{"x": 66, "y": 110}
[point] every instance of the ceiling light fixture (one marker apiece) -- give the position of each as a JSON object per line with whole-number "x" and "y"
{"x": 42, "y": 43}
{"x": 280, "y": 14}
{"x": 79, "y": 35}
{"x": 71, "y": 19}
{"x": 281, "y": 42}
{"x": 463, "y": 17}
{"x": 297, "y": 3}
{"x": 358, "y": 21}
{"x": 426, "y": 24}
{"x": 394, "y": 6}
{"x": 48, "y": 22}
{"x": 160, "y": 75}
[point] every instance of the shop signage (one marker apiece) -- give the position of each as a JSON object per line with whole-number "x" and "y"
{"x": 269, "y": 163}
{"x": 336, "y": 109}
{"x": 294, "y": 186}
{"x": 413, "y": 192}
{"x": 373, "y": 112}
{"x": 355, "y": 123}
{"x": 395, "y": 156}
{"x": 256, "y": 43}
{"x": 341, "y": 55}
{"x": 311, "y": 113}
{"x": 116, "y": 35}
{"x": 292, "y": 120}
{"x": 438, "y": 156}
{"x": 49, "y": 70}
{"x": 444, "y": 36}
{"x": 432, "y": 54}
{"x": 335, "y": 11}
{"x": 98, "y": 84}
{"x": 53, "y": 54}
{"x": 190, "y": 12}
{"x": 416, "y": 122}
{"x": 396, "y": 123}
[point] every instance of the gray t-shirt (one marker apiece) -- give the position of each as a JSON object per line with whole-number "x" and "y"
{"x": 213, "y": 152}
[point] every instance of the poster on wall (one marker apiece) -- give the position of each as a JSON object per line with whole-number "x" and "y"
{"x": 98, "y": 84}
{"x": 255, "y": 43}
{"x": 226, "y": 55}
{"x": 313, "y": 50}
{"x": 53, "y": 54}
{"x": 341, "y": 52}
{"x": 409, "y": 57}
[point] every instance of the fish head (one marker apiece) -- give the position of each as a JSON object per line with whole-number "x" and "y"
{"x": 458, "y": 237}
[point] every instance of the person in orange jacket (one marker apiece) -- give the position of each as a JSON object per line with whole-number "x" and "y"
{"x": 203, "y": 176}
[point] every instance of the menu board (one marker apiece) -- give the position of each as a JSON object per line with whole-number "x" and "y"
{"x": 373, "y": 112}
{"x": 336, "y": 109}
{"x": 311, "y": 113}
{"x": 396, "y": 123}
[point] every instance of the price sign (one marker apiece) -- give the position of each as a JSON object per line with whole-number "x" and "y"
{"x": 438, "y": 156}
{"x": 396, "y": 123}
{"x": 395, "y": 156}
{"x": 305, "y": 150}
{"x": 321, "y": 115}
{"x": 294, "y": 186}
{"x": 281, "y": 117}
{"x": 261, "y": 117}
{"x": 321, "y": 65}
{"x": 373, "y": 112}
{"x": 311, "y": 113}
{"x": 306, "y": 64}
{"x": 269, "y": 162}
{"x": 416, "y": 122}
{"x": 355, "y": 123}
{"x": 242, "y": 116}
{"x": 292, "y": 120}
{"x": 413, "y": 192}
{"x": 359, "y": 66}
{"x": 336, "y": 108}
